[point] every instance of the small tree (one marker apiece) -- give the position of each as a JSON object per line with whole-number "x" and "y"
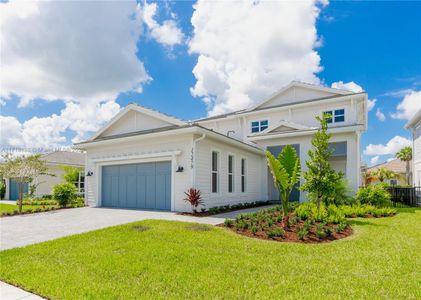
{"x": 23, "y": 169}
{"x": 405, "y": 154}
{"x": 71, "y": 174}
{"x": 285, "y": 172}
{"x": 320, "y": 179}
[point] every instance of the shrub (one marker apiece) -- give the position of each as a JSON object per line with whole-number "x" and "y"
{"x": 277, "y": 232}
{"x": 194, "y": 197}
{"x": 335, "y": 214}
{"x": 78, "y": 202}
{"x": 2, "y": 189}
{"x": 304, "y": 211}
{"x": 320, "y": 231}
{"x": 341, "y": 226}
{"x": 64, "y": 193}
{"x": 375, "y": 195}
{"x": 229, "y": 222}
{"x": 254, "y": 229}
{"x": 302, "y": 233}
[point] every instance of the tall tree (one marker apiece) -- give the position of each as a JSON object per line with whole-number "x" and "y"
{"x": 23, "y": 169}
{"x": 405, "y": 154}
{"x": 320, "y": 179}
{"x": 286, "y": 172}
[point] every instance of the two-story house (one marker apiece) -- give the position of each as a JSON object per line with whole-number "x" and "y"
{"x": 145, "y": 159}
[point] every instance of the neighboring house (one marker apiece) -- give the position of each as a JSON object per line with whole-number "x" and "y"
{"x": 414, "y": 125}
{"x": 55, "y": 162}
{"x": 145, "y": 159}
{"x": 396, "y": 165}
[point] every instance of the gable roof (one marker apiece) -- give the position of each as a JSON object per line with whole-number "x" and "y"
{"x": 71, "y": 158}
{"x": 293, "y": 84}
{"x": 414, "y": 120}
{"x": 283, "y": 124}
{"x": 140, "y": 109}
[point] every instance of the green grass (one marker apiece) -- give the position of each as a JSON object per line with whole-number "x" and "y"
{"x": 11, "y": 207}
{"x": 163, "y": 259}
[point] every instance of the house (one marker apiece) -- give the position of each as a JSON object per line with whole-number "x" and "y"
{"x": 414, "y": 125}
{"x": 44, "y": 183}
{"x": 146, "y": 159}
{"x": 396, "y": 165}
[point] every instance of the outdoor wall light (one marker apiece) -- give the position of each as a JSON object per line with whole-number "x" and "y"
{"x": 180, "y": 169}
{"x": 90, "y": 173}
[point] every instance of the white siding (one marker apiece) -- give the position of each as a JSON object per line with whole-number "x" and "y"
{"x": 134, "y": 121}
{"x": 417, "y": 154}
{"x": 296, "y": 94}
{"x": 256, "y": 189}
{"x": 181, "y": 181}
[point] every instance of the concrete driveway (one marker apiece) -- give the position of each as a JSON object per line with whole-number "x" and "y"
{"x": 18, "y": 231}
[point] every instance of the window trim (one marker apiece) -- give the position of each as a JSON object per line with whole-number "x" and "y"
{"x": 333, "y": 110}
{"x": 259, "y": 126}
{"x": 243, "y": 175}
{"x": 217, "y": 172}
{"x": 232, "y": 173}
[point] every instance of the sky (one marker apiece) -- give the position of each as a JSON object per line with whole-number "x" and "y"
{"x": 66, "y": 68}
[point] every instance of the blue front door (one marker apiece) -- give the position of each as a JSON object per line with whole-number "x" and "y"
{"x": 14, "y": 189}
{"x": 141, "y": 186}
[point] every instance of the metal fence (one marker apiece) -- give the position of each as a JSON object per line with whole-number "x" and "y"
{"x": 410, "y": 196}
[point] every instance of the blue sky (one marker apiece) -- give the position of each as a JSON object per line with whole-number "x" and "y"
{"x": 376, "y": 45}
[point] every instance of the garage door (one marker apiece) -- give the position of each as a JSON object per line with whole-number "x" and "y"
{"x": 141, "y": 186}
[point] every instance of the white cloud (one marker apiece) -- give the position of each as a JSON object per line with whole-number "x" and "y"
{"x": 349, "y": 86}
{"x": 380, "y": 116}
{"x": 409, "y": 106}
{"x": 67, "y": 50}
{"x": 392, "y": 146}
{"x": 249, "y": 49}
{"x": 374, "y": 160}
{"x": 168, "y": 33}
{"x": 47, "y": 132}
{"x": 371, "y": 104}
{"x": 84, "y": 119}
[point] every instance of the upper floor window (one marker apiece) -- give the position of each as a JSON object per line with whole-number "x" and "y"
{"x": 338, "y": 115}
{"x": 258, "y": 126}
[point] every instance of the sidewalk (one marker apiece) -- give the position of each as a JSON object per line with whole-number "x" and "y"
{"x": 10, "y": 292}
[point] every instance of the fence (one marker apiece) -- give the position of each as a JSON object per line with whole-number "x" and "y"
{"x": 406, "y": 195}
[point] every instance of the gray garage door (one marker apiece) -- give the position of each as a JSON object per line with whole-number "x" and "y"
{"x": 144, "y": 186}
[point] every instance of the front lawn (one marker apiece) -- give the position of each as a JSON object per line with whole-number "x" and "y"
{"x": 163, "y": 259}
{"x": 6, "y": 208}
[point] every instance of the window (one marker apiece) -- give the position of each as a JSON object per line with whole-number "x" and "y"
{"x": 215, "y": 172}
{"x": 337, "y": 116}
{"x": 230, "y": 173}
{"x": 243, "y": 175}
{"x": 258, "y": 126}
{"x": 80, "y": 183}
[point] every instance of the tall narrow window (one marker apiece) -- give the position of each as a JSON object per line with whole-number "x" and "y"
{"x": 230, "y": 173}
{"x": 243, "y": 175}
{"x": 215, "y": 171}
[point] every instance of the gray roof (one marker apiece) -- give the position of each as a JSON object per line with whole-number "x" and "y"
{"x": 71, "y": 158}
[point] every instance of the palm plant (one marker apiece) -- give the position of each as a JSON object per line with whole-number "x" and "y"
{"x": 286, "y": 172}
{"x": 369, "y": 177}
{"x": 405, "y": 154}
{"x": 383, "y": 174}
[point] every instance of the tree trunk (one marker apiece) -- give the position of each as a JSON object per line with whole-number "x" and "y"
{"x": 20, "y": 185}
{"x": 407, "y": 172}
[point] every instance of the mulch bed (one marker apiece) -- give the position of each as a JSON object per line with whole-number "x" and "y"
{"x": 291, "y": 233}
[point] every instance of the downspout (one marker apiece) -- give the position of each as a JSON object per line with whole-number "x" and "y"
{"x": 194, "y": 157}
